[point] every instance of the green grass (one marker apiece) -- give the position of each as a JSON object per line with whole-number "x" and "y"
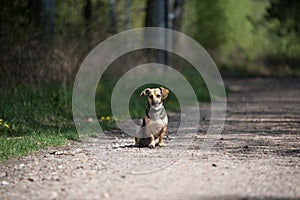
{"x": 33, "y": 118}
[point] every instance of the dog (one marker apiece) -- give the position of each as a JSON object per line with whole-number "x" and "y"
{"x": 155, "y": 121}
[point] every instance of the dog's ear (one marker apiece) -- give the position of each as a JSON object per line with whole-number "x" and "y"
{"x": 164, "y": 92}
{"x": 145, "y": 92}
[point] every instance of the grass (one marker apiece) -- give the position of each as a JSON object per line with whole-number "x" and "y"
{"x": 33, "y": 118}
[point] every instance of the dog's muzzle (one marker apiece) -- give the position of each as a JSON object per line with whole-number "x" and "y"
{"x": 155, "y": 103}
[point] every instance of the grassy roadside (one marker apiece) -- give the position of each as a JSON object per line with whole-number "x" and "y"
{"x": 34, "y": 118}
{"x": 31, "y": 119}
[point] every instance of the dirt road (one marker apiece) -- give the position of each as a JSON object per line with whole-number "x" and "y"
{"x": 256, "y": 157}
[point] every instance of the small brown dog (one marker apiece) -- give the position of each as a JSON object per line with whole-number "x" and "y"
{"x": 155, "y": 121}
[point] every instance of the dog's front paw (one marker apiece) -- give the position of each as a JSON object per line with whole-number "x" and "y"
{"x": 151, "y": 145}
{"x": 161, "y": 144}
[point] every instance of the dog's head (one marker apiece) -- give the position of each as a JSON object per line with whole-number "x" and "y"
{"x": 155, "y": 96}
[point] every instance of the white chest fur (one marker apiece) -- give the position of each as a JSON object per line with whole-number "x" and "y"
{"x": 155, "y": 124}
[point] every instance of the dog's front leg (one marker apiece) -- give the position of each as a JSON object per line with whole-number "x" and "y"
{"x": 152, "y": 141}
{"x": 161, "y": 137}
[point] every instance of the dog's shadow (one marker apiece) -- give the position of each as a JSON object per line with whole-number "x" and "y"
{"x": 117, "y": 145}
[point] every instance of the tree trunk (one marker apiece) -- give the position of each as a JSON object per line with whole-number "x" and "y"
{"x": 47, "y": 18}
{"x": 87, "y": 11}
{"x": 157, "y": 16}
{"x": 36, "y": 11}
{"x": 128, "y": 24}
{"x": 112, "y": 15}
{"x": 87, "y": 16}
{"x": 178, "y": 11}
{"x": 157, "y": 13}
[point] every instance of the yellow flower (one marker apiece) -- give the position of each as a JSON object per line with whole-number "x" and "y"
{"x": 102, "y": 118}
{"x": 1, "y": 120}
{"x": 108, "y": 118}
{"x": 6, "y": 125}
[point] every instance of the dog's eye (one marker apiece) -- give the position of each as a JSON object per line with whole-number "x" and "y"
{"x": 151, "y": 96}
{"x": 158, "y": 96}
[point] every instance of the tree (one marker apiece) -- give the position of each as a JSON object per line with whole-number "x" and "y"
{"x": 287, "y": 14}
{"x": 127, "y": 7}
{"x": 157, "y": 13}
{"x": 112, "y": 15}
{"x": 285, "y": 18}
{"x": 47, "y": 18}
{"x": 177, "y": 15}
{"x": 157, "y": 16}
{"x": 207, "y": 23}
{"x": 87, "y": 11}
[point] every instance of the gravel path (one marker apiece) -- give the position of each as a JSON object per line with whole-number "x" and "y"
{"x": 256, "y": 157}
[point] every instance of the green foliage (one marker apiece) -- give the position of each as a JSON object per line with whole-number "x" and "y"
{"x": 16, "y": 19}
{"x": 244, "y": 35}
{"x": 283, "y": 24}
{"x": 223, "y": 26}
{"x": 204, "y": 21}
{"x": 28, "y": 59}
{"x": 287, "y": 14}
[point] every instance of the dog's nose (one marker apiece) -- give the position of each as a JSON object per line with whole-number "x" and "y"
{"x": 154, "y": 103}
